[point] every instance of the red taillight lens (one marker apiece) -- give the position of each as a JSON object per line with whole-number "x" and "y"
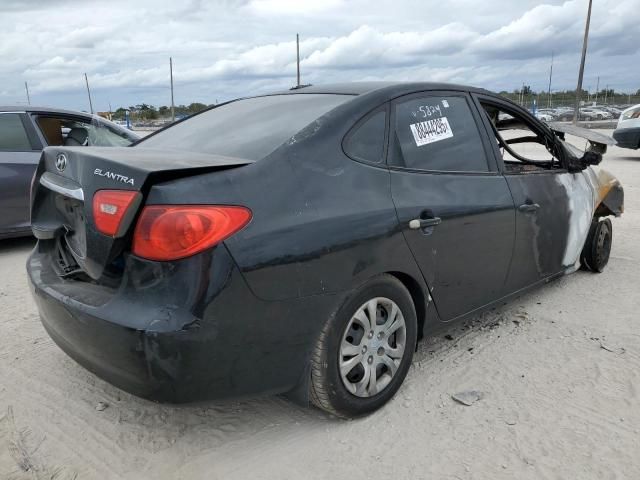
{"x": 110, "y": 207}
{"x": 167, "y": 232}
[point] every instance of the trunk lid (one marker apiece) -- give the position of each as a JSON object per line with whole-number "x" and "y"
{"x": 67, "y": 179}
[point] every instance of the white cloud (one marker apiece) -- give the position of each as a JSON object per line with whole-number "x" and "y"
{"x": 230, "y": 48}
{"x": 292, "y": 7}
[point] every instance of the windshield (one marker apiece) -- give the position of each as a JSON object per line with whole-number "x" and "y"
{"x": 251, "y": 128}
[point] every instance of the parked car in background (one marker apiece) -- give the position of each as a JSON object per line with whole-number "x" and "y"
{"x": 302, "y": 241}
{"x": 564, "y": 114}
{"x": 24, "y": 132}
{"x": 615, "y": 112}
{"x": 591, "y": 113}
{"x": 627, "y": 133}
{"x": 545, "y": 116}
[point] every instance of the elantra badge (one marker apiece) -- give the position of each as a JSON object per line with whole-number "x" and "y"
{"x": 113, "y": 176}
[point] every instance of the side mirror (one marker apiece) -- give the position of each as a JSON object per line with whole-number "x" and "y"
{"x": 589, "y": 158}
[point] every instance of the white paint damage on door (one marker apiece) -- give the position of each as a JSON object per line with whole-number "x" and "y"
{"x": 582, "y": 196}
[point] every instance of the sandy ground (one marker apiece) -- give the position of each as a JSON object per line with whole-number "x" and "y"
{"x": 559, "y": 370}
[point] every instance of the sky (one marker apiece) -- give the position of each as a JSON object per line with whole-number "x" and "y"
{"x": 224, "y": 49}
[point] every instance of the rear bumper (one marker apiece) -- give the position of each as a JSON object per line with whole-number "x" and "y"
{"x": 193, "y": 331}
{"x": 627, "y": 137}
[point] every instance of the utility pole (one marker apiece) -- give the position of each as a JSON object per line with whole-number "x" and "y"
{"x": 606, "y": 93}
{"x": 550, "y": 76}
{"x": 597, "y": 89}
{"x": 581, "y": 72}
{"x": 86, "y": 80}
{"x": 298, "y": 58}
{"x": 26, "y": 87}
{"x": 173, "y": 110}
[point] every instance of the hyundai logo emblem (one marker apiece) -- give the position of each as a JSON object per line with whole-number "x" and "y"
{"x": 61, "y": 162}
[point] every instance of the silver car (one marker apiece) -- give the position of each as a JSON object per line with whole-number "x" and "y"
{"x": 24, "y": 132}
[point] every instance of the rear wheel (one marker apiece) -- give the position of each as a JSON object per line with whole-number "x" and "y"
{"x": 364, "y": 351}
{"x": 597, "y": 248}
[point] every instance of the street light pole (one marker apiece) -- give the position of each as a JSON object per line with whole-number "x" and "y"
{"x": 298, "y": 58}
{"x": 550, "y": 75}
{"x": 581, "y": 72}
{"x": 597, "y": 89}
{"x": 173, "y": 111}
{"x": 86, "y": 80}
{"x": 26, "y": 87}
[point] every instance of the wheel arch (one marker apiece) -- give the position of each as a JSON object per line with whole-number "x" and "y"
{"x": 418, "y": 296}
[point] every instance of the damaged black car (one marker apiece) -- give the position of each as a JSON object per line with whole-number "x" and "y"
{"x": 302, "y": 242}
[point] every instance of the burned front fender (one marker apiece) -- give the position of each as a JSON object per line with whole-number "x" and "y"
{"x": 609, "y": 194}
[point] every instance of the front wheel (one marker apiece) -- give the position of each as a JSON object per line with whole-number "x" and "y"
{"x": 597, "y": 248}
{"x": 364, "y": 351}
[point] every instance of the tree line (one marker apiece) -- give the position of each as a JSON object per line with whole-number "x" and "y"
{"x": 144, "y": 111}
{"x": 526, "y": 95}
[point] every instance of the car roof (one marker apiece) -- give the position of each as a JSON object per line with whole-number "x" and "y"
{"x": 38, "y": 109}
{"x": 391, "y": 88}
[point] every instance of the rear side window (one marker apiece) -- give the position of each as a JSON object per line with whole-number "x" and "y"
{"x": 633, "y": 113}
{"x": 366, "y": 141}
{"x": 437, "y": 133}
{"x": 251, "y": 128}
{"x": 75, "y": 131}
{"x": 13, "y": 136}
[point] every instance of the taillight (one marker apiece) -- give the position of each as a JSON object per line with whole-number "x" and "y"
{"x": 170, "y": 232}
{"x": 110, "y": 208}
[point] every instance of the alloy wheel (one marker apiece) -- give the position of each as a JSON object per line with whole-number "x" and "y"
{"x": 372, "y": 347}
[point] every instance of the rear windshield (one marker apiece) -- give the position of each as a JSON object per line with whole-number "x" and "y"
{"x": 251, "y": 128}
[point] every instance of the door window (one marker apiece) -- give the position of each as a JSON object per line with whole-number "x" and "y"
{"x": 437, "y": 133}
{"x": 13, "y": 136}
{"x": 75, "y": 132}
{"x": 523, "y": 147}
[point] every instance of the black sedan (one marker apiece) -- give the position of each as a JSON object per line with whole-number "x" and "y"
{"x": 24, "y": 132}
{"x": 304, "y": 241}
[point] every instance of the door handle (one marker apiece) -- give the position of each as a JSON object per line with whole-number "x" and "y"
{"x": 420, "y": 223}
{"x": 529, "y": 207}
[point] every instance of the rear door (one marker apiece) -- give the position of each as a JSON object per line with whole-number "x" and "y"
{"x": 454, "y": 207}
{"x": 19, "y": 155}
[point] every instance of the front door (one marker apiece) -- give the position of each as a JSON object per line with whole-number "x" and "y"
{"x": 553, "y": 207}
{"x": 454, "y": 207}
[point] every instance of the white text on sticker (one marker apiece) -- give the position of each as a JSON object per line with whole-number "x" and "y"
{"x": 431, "y": 131}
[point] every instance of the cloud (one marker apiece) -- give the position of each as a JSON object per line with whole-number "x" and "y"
{"x": 292, "y": 7}
{"x": 227, "y": 48}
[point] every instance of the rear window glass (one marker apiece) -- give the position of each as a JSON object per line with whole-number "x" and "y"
{"x": 74, "y": 132}
{"x": 633, "y": 113}
{"x": 366, "y": 142}
{"x": 251, "y": 128}
{"x": 12, "y": 133}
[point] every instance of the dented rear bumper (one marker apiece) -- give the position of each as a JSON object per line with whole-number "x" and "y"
{"x": 179, "y": 332}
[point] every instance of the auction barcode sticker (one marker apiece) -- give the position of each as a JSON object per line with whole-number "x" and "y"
{"x": 430, "y": 131}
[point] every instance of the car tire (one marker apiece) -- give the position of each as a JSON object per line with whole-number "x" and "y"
{"x": 348, "y": 391}
{"x": 597, "y": 248}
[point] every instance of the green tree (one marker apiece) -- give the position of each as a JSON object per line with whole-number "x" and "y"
{"x": 196, "y": 107}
